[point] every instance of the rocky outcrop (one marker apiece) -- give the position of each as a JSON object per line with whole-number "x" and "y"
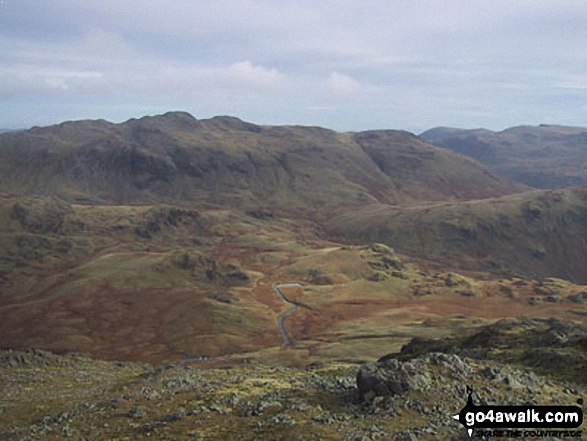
{"x": 554, "y": 346}
{"x": 391, "y": 377}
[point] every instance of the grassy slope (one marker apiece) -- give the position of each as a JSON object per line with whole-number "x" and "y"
{"x": 122, "y": 282}
{"x": 535, "y": 234}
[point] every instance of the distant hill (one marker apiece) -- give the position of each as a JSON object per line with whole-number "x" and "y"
{"x": 224, "y": 161}
{"x": 545, "y": 156}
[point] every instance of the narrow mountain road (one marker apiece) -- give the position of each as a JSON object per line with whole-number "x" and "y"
{"x": 283, "y": 315}
{"x": 280, "y": 320}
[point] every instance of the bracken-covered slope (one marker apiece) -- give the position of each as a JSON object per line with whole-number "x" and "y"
{"x": 545, "y": 156}
{"x": 225, "y": 161}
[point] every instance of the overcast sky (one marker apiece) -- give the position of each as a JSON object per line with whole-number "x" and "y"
{"x": 347, "y": 65}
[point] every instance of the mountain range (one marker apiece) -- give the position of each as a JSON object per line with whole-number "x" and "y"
{"x": 159, "y": 238}
{"x": 545, "y": 156}
{"x": 144, "y": 271}
{"x": 225, "y": 161}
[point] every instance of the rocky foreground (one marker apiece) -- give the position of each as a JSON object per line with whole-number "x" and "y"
{"x": 46, "y": 396}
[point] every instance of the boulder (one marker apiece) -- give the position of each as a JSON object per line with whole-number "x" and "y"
{"x": 391, "y": 377}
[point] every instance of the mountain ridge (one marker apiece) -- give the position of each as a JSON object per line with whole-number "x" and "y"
{"x": 544, "y": 156}
{"x": 174, "y": 156}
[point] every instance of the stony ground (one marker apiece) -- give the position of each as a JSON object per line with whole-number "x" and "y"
{"x": 45, "y": 396}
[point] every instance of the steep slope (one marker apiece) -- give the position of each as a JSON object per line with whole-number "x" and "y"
{"x": 425, "y": 172}
{"x": 536, "y": 234}
{"x": 544, "y": 156}
{"x": 225, "y": 161}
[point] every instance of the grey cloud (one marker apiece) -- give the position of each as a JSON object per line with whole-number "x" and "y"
{"x": 369, "y": 64}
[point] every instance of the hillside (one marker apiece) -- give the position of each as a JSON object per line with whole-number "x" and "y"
{"x": 536, "y": 234}
{"x": 142, "y": 294}
{"x": 223, "y": 161}
{"x": 544, "y": 156}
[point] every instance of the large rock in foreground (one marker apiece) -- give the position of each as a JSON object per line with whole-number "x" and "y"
{"x": 393, "y": 377}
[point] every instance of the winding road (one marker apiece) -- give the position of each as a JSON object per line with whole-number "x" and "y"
{"x": 283, "y": 315}
{"x": 280, "y": 320}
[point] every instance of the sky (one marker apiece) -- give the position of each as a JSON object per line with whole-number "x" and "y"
{"x": 346, "y": 65}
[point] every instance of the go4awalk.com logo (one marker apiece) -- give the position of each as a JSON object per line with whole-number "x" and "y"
{"x": 520, "y": 421}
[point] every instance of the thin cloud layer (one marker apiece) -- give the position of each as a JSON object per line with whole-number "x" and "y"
{"x": 345, "y": 65}
{"x": 342, "y": 86}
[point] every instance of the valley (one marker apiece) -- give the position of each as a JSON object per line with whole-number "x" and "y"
{"x": 169, "y": 242}
{"x": 201, "y": 284}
